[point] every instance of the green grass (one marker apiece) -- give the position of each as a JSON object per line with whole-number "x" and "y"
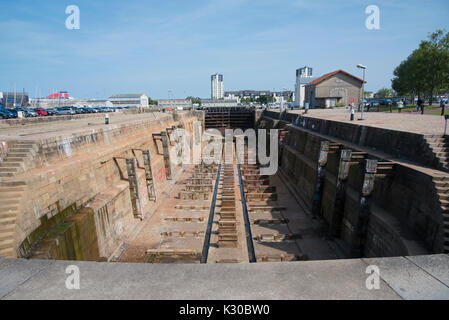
{"x": 438, "y": 113}
{"x": 409, "y": 107}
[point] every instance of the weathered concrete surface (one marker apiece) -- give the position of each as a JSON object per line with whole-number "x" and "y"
{"x": 411, "y": 137}
{"x": 407, "y": 194}
{"x": 424, "y": 279}
{"x": 407, "y": 122}
{"x": 331, "y": 279}
{"x": 77, "y": 163}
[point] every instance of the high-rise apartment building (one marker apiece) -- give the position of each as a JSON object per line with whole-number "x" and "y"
{"x": 217, "y": 86}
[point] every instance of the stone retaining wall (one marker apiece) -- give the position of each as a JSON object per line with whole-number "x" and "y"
{"x": 405, "y": 214}
{"x": 88, "y": 170}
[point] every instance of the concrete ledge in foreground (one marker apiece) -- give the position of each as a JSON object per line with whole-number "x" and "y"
{"x": 419, "y": 277}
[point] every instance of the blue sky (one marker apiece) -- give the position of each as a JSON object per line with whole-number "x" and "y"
{"x": 155, "y": 46}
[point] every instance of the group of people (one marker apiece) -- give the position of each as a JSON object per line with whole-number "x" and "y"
{"x": 420, "y": 106}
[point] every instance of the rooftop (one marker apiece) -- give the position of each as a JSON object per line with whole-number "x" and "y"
{"x": 126, "y": 95}
{"x": 328, "y": 75}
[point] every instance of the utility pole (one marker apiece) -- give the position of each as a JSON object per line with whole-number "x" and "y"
{"x": 360, "y": 66}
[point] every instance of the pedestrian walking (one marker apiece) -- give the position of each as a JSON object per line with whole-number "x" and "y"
{"x": 442, "y": 105}
{"x": 421, "y": 105}
{"x": 400, "y": 106}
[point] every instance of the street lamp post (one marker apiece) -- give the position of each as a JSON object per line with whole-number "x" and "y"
{"x": 360, "y": 66}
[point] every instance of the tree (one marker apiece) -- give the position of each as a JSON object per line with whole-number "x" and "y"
{"x": 367, "y": 94}
{"x": 436, "y": 57}
{"x": 385, "y": 93}
{"x": 152, "y": 102}
{"x": 265, "y": 99}
{"x": 426, "y": 71}
{"x": 194, "y": 100}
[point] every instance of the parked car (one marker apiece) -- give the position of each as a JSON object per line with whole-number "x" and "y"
{"x": 13, "y": 111}
{"x": 79, "y": 110}
{"x": 385, "y": 102}
{"x": 65, "y": 110}
{"x": 41, "y": 112}
{"x": 372, "y": 103}
{"x": 27, "y": 112}
{"x": 406, "y": 101}
{"x": 50, "y": 112}
{"x": 6, "y": 114}
{"x": 92, "y": 110}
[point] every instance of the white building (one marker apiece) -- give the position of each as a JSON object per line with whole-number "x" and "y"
{"x": 303, "y": 76}
{"x": 138, "y": 100}
{"x": 214, "y": 103}
{"x": 216, "y": 86}
{"x": 180, "y": 104}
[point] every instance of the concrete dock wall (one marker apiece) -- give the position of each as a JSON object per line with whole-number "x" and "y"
{"x": 404, "y": 209}
{"x": 89, "y": 170}
{"x": 398, "y": 144}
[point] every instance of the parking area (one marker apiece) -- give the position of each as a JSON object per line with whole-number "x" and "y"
{"x": 6, "y": 113}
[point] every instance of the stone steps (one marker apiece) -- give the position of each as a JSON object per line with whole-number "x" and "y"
{"x": 13, "y": 159}
{"x": 6, "y": 174}
{"x": 10, "y": 195}
{"x": 7, "y": 253}
{"x": 438, "y": 145}
{"x": 440, "y": 149}
{"x": 8, "y": 235}
{"x": 25, "y": 145}
{"x": 7, "y": 228}
{"x": 20, "y": 155}
{"x": 9, "y": 214}
{"x": 12, "y": 184}
{"x": 17, "y": 158}
{"x": 19, "y": 150}
{"x": 8, "y": 169}
{"x": 7, "y": 221}
{"x": 7, "y": 244}
{"x": 12, "y": 189}
{"x": 10, "y": 164}
{"x": 443, "y": 196}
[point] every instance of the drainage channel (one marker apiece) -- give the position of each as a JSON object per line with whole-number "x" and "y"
{"x": 211, "y": 219}
{"x": 249, "y": 237}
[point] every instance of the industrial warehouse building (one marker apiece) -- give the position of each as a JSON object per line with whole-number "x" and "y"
{"x": 332, "y": 89}
{"x": 14, "y": 99}
{"x": 211, "y": 103}
{"x": 175, "y": 103}
{"x": 136, "y": 100}
{"x": 256, "y": 94}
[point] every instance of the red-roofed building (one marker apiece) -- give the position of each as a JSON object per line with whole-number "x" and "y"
{"x": 59, "y": 95}
{"x": 334, "y": 89}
